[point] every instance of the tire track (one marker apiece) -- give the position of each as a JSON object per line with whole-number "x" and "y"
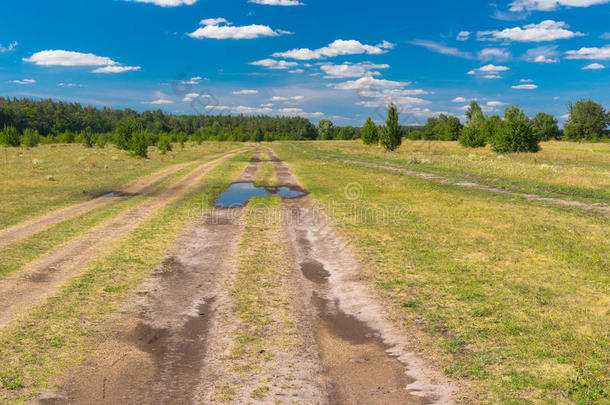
{"x": 41, "y": 279}
{"x": 30, "y": 227}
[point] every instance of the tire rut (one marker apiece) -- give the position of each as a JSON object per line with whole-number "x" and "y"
{"x": 39, "y": 280}
{"x": 30, "y": 227}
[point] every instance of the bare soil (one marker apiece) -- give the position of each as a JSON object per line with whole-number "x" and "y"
{"x": 39, "y": 280}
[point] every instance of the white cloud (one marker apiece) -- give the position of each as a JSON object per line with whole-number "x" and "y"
{"x": 9, "y": 48}
{"x": 490, "y": 71}
{"x": 542, "y": 54}
{"x": 498, "y": 54}
{"x": 116, "y": 69}
{"x": 160, "y": 101}
{"x": 192, "y": 80}
{"x": 594, "y": 66}
{"x": 287, "y": 99}
{"x": 605, "y": 35}
{"x": 337, "y": 48}
{"x": 463, "y": 35}
{"x": 548, "y": 5}
{"x": 295, "y": 71}
{"x": 24, "y": 81}
{"x": 526, "y": 81}
{"x": 245, "y": 92}
{"x": 167, "y": 3}
{"x": 213, "y": 30}
{"x": 68, "y": 58}
{"x": 351, "y": 69}
{"x": 369, "y": 82}
{"x": 442, "y": 49}
{"x": 525, "y": 87}
{"x": 274, "y": 64}
{"x": 277, "y": 2}
{"x": 495, "y": 104}
{"x": 602, "y": 53}
{"x": 264, "y": 109}
{"x": 547, "y": 30}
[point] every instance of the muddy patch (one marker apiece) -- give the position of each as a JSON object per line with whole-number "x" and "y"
{"x": 314, "y": 271}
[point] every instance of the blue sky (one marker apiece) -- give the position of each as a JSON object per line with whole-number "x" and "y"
{"x": 342, "y": 60}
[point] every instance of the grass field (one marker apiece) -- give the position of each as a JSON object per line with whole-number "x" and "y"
{"x": 509, "y": 295}
{"x": 561, "y": 169}
{"x": 41, "y": 179}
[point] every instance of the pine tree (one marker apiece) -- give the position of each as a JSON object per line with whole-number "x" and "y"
{"x": 370, "y": 135}
{"x": 391, "y": 137}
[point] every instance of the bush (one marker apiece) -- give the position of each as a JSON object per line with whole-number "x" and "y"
{"x": 139, "y": 144}
{"x": 30, "y": 138}
{"x": 87, "y": 138}
{"x": 472, "y": 137}
{"x": 515, "y": 134}
{"x": 181, "y": 138}
{"x": 391, "y": 137}
{"x": 101, "y": 141}
{"x": 588, "y": 121}
{"x": 545, "y": 127}
{"x": 9, "y": 137}
{"x": 66, "y": 137}
{"x": 165, "y": 144}
{"x": 370, "y": 136}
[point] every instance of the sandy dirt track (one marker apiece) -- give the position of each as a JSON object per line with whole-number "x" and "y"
{"x": 30, "y": 227}
{"x": 25, "y": 288}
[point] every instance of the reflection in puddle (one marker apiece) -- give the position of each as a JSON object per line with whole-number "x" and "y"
{"x": 238, "y": 194}
{"x": 112, "y": 195}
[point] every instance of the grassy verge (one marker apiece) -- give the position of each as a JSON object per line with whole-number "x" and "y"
{"x": 266, "y": 335}
{"x": 16, "y": 255}
{"x": 266, "y": 175}
{"x": 561, "y": 169}
{"x": 508, "y": 294}
{"x": 57, "y": 335}
{"x": 48, "y": 177}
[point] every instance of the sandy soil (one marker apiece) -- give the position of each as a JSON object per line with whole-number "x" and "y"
{"x": 20, "y": 291}
{"x": 25, "y": 229}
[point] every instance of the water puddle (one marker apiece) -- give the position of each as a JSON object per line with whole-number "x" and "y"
{"x": 238, "y": 194}
{"x": 112, "y": 195}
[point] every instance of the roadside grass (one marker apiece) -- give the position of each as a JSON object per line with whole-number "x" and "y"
{"x": 578, "y": 171}
{"x": 59, "y": 334}
{"x": 262, "y": 304}
{"x": 266, "y": 175}
{"x": 18, "y": 254}
{"x": 507, "y": 294}
{"x": 42, "y": 179}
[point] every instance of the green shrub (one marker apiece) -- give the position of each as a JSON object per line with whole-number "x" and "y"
{"x": 588, "y": 121}
{"x": 101, "y": 140}
{"x": 165, "y": 144}
{"x": 391, "y": 137}
{"x": 87, "y": 138}
{"x": 66, "y": 137}
{"x": 472, "y": 137}
{"x": 545, "y": 127}
{"x": 9, "y": 137}
{"x": 30, "y": 138}
{"x": 139, "y": 144}
{"x": 515, "y": 134}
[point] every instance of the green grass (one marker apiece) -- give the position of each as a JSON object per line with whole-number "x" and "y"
{"x": 507, "y": 294}
{"x": 266, "y": 175}
{"x": 39, "y": 180}
{"x": 561, "y": 169}
{"x": 18, "y": 254}
{"x": 57, "y": 335}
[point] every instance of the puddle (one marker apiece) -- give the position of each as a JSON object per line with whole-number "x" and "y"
{"x": 315, "y": 271}
{"x": 238, "y": 194}
{"x": 112, "y": 195}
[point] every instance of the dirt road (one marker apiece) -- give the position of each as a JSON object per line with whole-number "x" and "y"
{"x": 25, "y": 229}
{"x": 176, "y": 341}
{"x": 39, "y": 280}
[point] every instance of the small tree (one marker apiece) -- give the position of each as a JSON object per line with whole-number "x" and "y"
{"x": 101, "y": 140}
{"x": 30, "y": 138}
{"x": 66, "y": 137}
{"x": 588, "y": 120}
{"x": 139, "y": 144}
{"x": 515, "y": 133}
{"x": 545, "y": 127}
{"x": 391, "y": 136}
{"x": 453, "y": 129}
{"x": 326, "y": 129}
{"x": 125, "y": 130}
{"x": 490, "y": 127}
{"x": 87, "y": 137}
{"x": 471, "y": 135}
{"x": 258, "y": 135}
{"x": 370, "y": 136}
{"x": 181, "y": 138}
{"x": 10, "y": 137}
{"x": 165, "y": 144}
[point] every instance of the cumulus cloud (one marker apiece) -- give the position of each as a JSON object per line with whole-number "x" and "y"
{"x": 287, "y": 99}
{"x": 602, "y": 53}
{"x": 490, "y": 71}
{"x": 245, "y": 92}
{"x": 213, "y": 29}
{"x": 547, "y": 30}
{"x": 464, "y": 35}
{"x": 336, "y": 48}
{"x": 495, "y": 104}
{"x": 167, "y": 3}
{"x": 160, "y": 101}
{"x": 351, "y": 69}
{"x": 549, "y": 5}
{"x": 277, "y": 2}
{"x": 69, "y": 58}
{"x": 266, "y": 110}
{"x": 542, "y": 54}
{"x": 498, "y": 54}
{"x": 24, "y": 81}
{"x": 369, "y": 82}
{"x": 10, "y": 47}
{"x": 594, "y": 66}
{"x": 459, "y": 100}
{"x": 442, "y": 49}
{"x": 274, "y": 64}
